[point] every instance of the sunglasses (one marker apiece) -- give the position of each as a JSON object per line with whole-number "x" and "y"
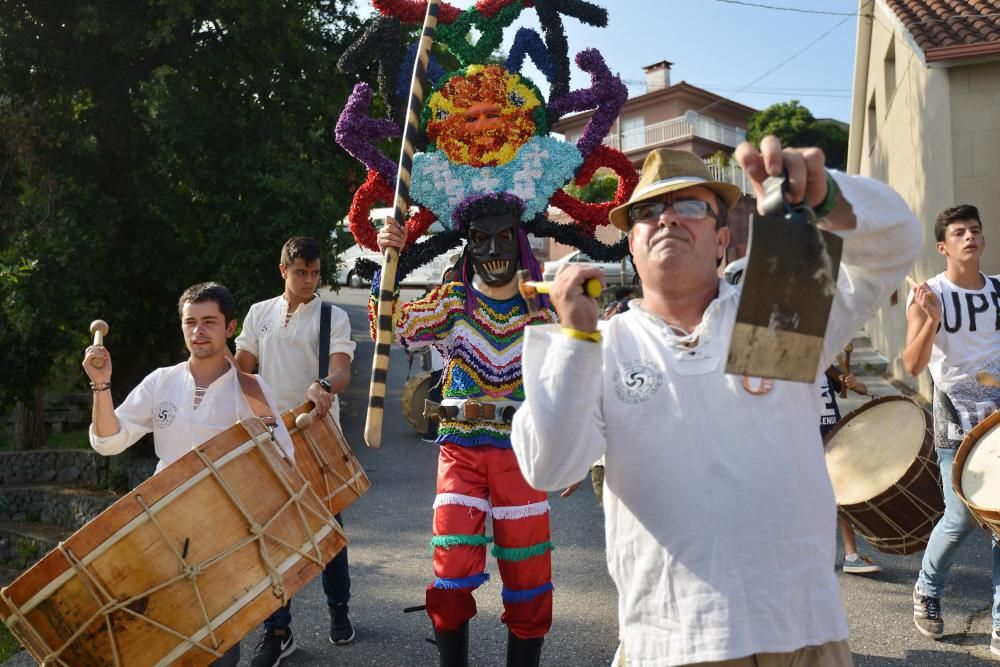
{"x": 684, "y": 209}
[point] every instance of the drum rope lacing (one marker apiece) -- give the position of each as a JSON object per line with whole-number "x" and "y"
{"x": 903, "y": 537}
{"x": 109, "y": 605}
{"x": 353, "y": 482}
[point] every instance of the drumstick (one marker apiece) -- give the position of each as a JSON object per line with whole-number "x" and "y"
{"x": 847, "y": 367}
{"x": 531, "y": 289}
{"x": 100, "y": 329}
{"x": 987, "y": 379}
{"x": 914, "y": 285}
{"x": 305, "y": 420}
{"x": 386, "y": 300}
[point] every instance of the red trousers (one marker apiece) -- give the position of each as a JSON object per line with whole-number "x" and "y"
{"x": 471, "y": 483}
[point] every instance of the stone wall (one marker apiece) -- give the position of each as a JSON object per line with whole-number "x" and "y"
{"x": 79, "y": 467}
{"x": 57, "y": 506}
{"x": 63, "y": 412}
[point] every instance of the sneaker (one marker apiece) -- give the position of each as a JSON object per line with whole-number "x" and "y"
{"x": 995, "y": 642}
{"x": 341, "y": 630}
{"x": 275, "y": 644}
{"x": 860, "y": 565}
{"x": 927, "y": 615}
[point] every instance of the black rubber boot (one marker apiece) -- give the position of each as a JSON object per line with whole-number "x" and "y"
{"x": 453, "y": 646}
{"x": 523, "y": 652}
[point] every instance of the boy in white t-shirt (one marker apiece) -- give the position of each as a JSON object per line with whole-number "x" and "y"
{"x": 953, "y": 330}
{"x": 184, "y": 404}
{"x": 281, "y": 336}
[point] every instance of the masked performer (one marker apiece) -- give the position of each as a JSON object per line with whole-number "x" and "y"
{"x": 488, "y": 173}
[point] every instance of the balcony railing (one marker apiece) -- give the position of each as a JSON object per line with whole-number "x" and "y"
{"x": 676, "y": 129}
{"x": 730, "y": 174}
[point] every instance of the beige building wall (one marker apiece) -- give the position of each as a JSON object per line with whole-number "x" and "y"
{"x": 908, "y": 142}
{"x": 975, "y": 112}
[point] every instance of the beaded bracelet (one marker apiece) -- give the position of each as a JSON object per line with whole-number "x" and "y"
{"x": 102, "y": 386}
{"x": 593, "y": 337}
{"x": 825, "y": 208}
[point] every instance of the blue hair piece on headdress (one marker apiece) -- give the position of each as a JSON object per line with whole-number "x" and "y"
{"x": 528, "y": 42}
{"x": 434, "y": 72}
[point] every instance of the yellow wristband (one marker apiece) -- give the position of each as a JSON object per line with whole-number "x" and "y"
{"x": 593, "y": 337}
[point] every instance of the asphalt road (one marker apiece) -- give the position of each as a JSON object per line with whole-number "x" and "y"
{"x": 389, "y": 531}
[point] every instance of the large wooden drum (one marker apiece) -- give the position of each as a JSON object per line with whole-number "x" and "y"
{"x": 976, "y": 473}
{"x": 413, "y": 397}
{"x": 180, "y": 569}
{"x": 324, "y": 458}
{"x": 885, "y": 474}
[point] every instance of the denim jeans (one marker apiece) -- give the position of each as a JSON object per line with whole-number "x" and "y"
{"x": 336, "y": 584}
{"x": 952, "y": 528}
{"x": 230, "y": 658}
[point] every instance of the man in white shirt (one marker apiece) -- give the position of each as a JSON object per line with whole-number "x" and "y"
{"x": 953, "y": 330}
{"x": 183, "y": 405}
{"x": 281, "y": 337}
{"x": 719, "y": 512}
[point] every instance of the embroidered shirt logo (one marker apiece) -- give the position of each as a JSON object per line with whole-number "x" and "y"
{"x": 637, "y": 381}
{"x": 164, "y": 413}
{"x": 265, "y": 328}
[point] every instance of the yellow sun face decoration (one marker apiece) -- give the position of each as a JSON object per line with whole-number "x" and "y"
{"x": 483, "y": 116}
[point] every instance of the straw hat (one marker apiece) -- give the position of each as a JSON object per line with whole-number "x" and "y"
{"x": 666, "y": 170}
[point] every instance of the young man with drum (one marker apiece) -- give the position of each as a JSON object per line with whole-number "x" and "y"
{"x": 186, "y": 404}
{"x": 719, "y": 511}
{"x": 952, "y": 331}
{"x": 281, "y": 337}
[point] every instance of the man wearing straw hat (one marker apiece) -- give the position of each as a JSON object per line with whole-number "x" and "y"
{"x": 719, "y": 512}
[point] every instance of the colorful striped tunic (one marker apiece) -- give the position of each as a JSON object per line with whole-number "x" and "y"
{"x": 482, "y": 351}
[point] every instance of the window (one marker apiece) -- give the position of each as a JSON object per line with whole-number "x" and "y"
{"x": 633, "y": 133}
{"x": 872, "y": 123}
{"x": 889, "y": 70}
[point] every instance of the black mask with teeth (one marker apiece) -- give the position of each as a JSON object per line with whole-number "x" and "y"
{"x": 494, "y": 247}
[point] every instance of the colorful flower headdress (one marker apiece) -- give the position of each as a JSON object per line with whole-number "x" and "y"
{"x": 515, "y": 156}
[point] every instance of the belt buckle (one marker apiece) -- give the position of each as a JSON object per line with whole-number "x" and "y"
{"x": 472, "y": 409}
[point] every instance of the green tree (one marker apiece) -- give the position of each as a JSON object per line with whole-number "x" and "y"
{"x": 148, "y": 146}
{"x": 600, "y": 189}
{"x": 795, "y": 125}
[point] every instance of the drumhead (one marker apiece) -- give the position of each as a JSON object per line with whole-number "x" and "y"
{"x": 872, "y": 448}
{"x": 414, "y": 394}
{"x": 981, "y": 472}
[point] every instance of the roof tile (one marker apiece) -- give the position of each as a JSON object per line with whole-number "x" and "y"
{"x": 942, "y": 23}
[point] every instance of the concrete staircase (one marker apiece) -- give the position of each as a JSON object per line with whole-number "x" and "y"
{"x": 871, "y": 367}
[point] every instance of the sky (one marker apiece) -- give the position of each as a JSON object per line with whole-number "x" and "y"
{"x": 754, "y": 55}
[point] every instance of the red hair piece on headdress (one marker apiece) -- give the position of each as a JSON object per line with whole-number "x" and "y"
{"x": 413, "y": 11}
{"x": 591, "y": 216}
{"x": 375, "y": 190}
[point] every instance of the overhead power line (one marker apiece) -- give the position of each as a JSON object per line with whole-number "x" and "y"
{"x": 783, "y": 62}
{"x": 787, "y": 9}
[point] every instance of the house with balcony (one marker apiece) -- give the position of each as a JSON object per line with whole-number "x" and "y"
{"x": 925, "y": 121}
{"x": 679, "y": 116}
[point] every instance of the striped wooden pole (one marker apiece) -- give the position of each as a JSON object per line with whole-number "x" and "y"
{"x": 386, "y": 298}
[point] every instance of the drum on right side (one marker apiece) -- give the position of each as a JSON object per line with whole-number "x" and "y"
{"x": 885, "y": 474}
{"x": 976, "y": 473}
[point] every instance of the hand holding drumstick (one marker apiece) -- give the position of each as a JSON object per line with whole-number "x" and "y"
{"x": 97, "y": 360}
{"x": 925, "y": 299}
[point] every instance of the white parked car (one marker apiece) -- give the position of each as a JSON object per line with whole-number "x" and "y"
{"x": 428, "y": 275}
{"x": 615, "y": 273}
{"x": 345, "y": 265}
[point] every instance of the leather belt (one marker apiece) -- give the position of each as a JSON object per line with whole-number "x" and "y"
{"x": 471, "y": 410}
